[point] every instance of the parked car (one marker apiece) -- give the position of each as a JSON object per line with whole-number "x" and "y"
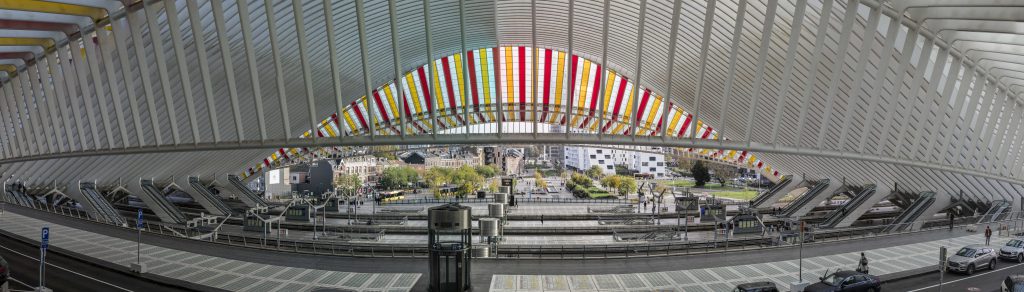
{"x": 756, "y": 287}
{"x": 4, "y": 271}
{"x": 1013, "y": 283}
{"x": 846, "y": 281}
{"x": 971, "y": 258}
{"x": 1013, "y": 250}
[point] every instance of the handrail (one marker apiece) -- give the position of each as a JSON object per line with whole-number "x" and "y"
{"x": 840, "y": 213}
{"x": 577, "y": 251}
{"x": 161, "y": 202}
{"x": 922, "y": 202}
{"x": 771, "y": 191}
{"x": 207, "y": 195}
{"x": 235, "y": 181}
{"x": 103, "y": 208}
{"x": 807, "y": 196}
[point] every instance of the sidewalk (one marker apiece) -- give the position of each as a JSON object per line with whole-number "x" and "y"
{"x": 883, "y": 261}
{"x": 216, "y": 272}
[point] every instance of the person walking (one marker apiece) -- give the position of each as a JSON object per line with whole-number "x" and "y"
{"x": 541, "y": 219}
{"x": 988, "y": 235}
{"x": 951, "y": 221}
{"x": 862, "y": 266}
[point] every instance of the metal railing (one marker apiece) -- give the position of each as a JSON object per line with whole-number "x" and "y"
{"x": 340, "y": 245}
{"x": 519, "y": 199}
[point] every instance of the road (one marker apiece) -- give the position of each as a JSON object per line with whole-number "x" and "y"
{"x": 987, "y": 281}
{"x": 64, "y": 273}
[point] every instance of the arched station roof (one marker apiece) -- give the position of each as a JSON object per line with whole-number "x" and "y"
{"x": 920, "y": 93}
{"x": 566, "y": 93}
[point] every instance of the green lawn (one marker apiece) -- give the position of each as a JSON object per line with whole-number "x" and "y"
{"x": 596, "y": 193}
{"x": 689, "y": 184}
{"x": 738, "y": 195}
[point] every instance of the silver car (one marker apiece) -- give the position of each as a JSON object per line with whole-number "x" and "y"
{"x": 970, "y": 258}
{"x": 1013, "y": 250}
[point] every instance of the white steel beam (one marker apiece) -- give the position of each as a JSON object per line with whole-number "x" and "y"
{"x": 709, "y": 18}
{"x": 279, "y": 73}
{"x": 229, "y": 67}
{"x": 198, "y": 40}
{"x": 787, "y": 70}
{"x": 737, "y": 38}
{"x": 838, "y": 68}
{"x": 300, "y": 31}
{"x": 118, "y": 35}
{"x": 156, "y": 38}
{"x": 250, "y": 57}
{"x": 820, "y": 36}
{"x": 762, "y": 56}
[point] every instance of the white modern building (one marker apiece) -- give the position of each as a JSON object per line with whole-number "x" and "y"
{"x": 642, "y": 159}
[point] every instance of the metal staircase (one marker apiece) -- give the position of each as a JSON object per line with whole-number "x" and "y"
{"x": 207, "y": 199}
{"x": 843, "y": 211}
{"x": 912, "y": 213}
{"x": 103, "y": 208}
{"x": 998, "y": 209}
{"x": 806, "y": 198}
{"x": 250, "y": 198}
{"x": 156, "y": 201}
{"x": 761, "y": 198}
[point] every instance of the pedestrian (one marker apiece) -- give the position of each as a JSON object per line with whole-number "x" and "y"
{"x": 988, "y": 235}
{"x": 541, "y": 219}
{"x": 951, "y": 220}
{"x": 862, "y": 266}
{"x": 645, "y": 204}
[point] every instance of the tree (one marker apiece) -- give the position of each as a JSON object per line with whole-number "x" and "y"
{"x": 595, "y": 172}
{"x": 435, "y": 177}
{"x": 539, "y": 178}
{"x": 347, "y": 183}
{"x": 398, "y": 177}
{"x": 579, "y": 181}
{"x": 626, "y": 185}
{"x": 487, "y": 171}
{"x": 611, "y": 182}
{"x": 467, "y": 180}
{"x": 385, "y": 151}
{"x": 723, "y": 173}
{"x": 700, "y": 174}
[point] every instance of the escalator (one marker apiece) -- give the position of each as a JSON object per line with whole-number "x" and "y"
{"x": 998, "y": 209}
{"x": 156, "y": 201}
{"x": 912, "y": 213}
{"x": 250, "y": 198}
{"x": 102, "y": 207}
{"x": 840, "y": 213}
{"x": 207, "y": 199}
{"x": 19, "y": 197}
{"x": 760, "y": 199}
{"x": 806, "y": 198}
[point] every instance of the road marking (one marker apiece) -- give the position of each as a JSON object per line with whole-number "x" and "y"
{"x": 66, "y": 270}
{"x": 20, "y": 282}
{"x": 965, "y": 278}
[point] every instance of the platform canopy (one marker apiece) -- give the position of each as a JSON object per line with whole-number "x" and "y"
{"x": 919, "y": 93}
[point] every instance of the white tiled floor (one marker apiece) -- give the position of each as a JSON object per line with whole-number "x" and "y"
{"x": 206, "y": 270}
{"x": 882, "y": 261}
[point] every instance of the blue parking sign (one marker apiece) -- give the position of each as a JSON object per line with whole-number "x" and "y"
{"x": 138, "y": 221}
{"x": 45, "y": 238}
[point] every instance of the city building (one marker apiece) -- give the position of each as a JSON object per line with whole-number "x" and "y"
{"x": 454, "y": 157}
{"x": 508, "y": 161}
{"x": 367, "y": 168}
{"x": 638, "y": 159}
